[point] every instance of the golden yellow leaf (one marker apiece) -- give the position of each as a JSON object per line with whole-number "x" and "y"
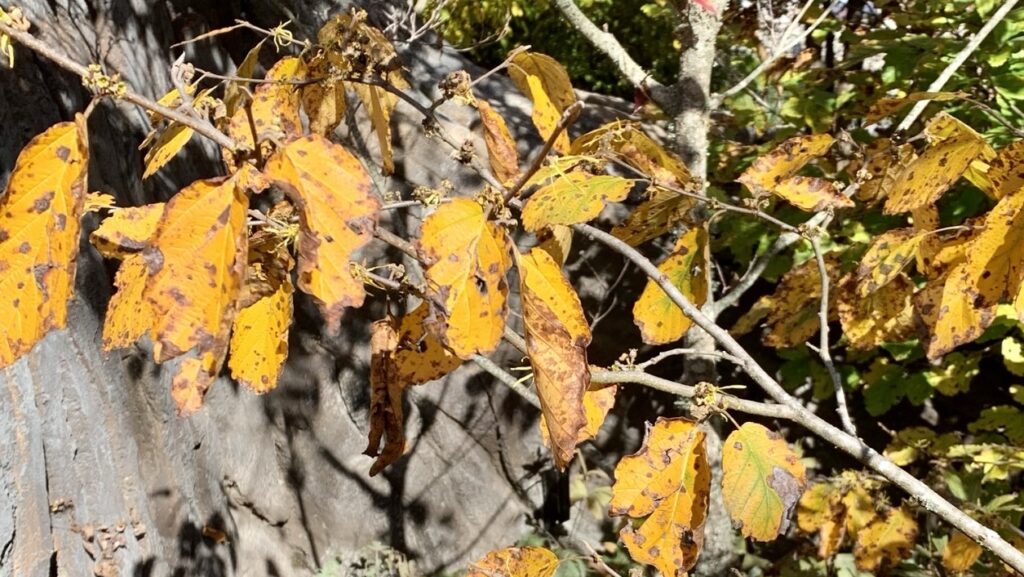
{"x": 165, "y": 147}
{"x": 386, "y": 416}
{"x": 1005, "y": 170}
{"x": 792, "y": 311}
{"x": 420, "y": 356}
{"x": 193, "y": 377}
{"x": 859, "y": 506}
{"x": 323, "y": 101}
{"x": 995, "y": 258}
{"x": 546, "y": 82}
{"x": 627, "y": 142}
{"x": 886, "y": 258}
{"x": 598, "y": 400}
{"x": 556, "y": 241}
{"x": 338, "y": 214}
{"x": 379, "y": 104}
{"x": 662, "y": 211}
{"x": 39, "y": 230}
{"x": 97, "y": 201}
{"x": 884, "y": 316}
{"x": 259, "y": 340}
{"x": 762, "y": 480}
{"x": 885, "y": 163}
{"x": 668, "y": 481}
{"x": 467, "y": 258}
{"x": 574, "y": 198}
{"x": 771, "y": 169}
{"x": 886, "y": 541}
{"x": 557, "y": 335}
{"x": 811, "y": 193}
{"x": 127, "y": 230}
{"x": 659, "y": 319}
{"x": 235, "y": 92}
{"x": 516, "y": 562}
{"x": 924, "y": 180}
{"x": 821, "y": 511}
{"x": 501, "y": 147}
{"x": 274, "y": 109}
{"x": 960, "y": 553}
{"x": 950, "y": 318}
{"x": 129, "y": 315}
{"x": 196, "y": 261}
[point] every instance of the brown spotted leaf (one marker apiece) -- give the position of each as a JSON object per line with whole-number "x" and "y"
{"x": 662, "y": 211}
{"x": 884, "y": 163}
{"x": 762, "y": 481}
{"x": 886, "y": 541}
{"x": 888, "y": 106}
{"x": 546, "y": 82}
{"x": 574, "y": 198}
{"x": 193, "y": 377}
{"x": 660, "y": 320}
{"x": 598, "y": 400}
{"x": 129, "y": 314}
{"x": 501, "y": 147}
{"x": 386, "y": 416}
{"x": 516, "y": 562}
{"x": 165, "y": 147}
{"x": 127, "y": 230}
{"x": 274, "y": 108}
{"x": 771, "y": 169}
{"x": 811, "y": 193}
{"x": 557, "y": 335}
{"x": 556, "y": 241}
{"x": 39, "y": 230}
{"x": 324, "y": 101}
{"x": 960, "y": 553}
{"x": 338, "y": 214}
{"x": 467, "y": 258}
{"x": 1006, "y": 170}
{"x": 886, "y": 258}
{"x": 667, "y": 482}
{"x": 995, "y": 258}
{"x": 626, "y": 141}
{"x": 420, "y": 356}
{"x": 792, "y": 311}
{"x": 884, "y": 316}
{"x": 259, "y": 340}
{"x": 951, "y": 319}
{"x": 821, "y": 511}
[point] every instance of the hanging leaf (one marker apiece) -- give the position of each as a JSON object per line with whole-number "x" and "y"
{"x": 129, "y": 315}
{"x": 1005, "y": 172}
{"x": 659, "y": 319}
{"x": 165, "y": 147}
{"x": 762, "y": 481}
{"x": 886, "y": 258}
{"x": 811, "y": 194}
{"x": 960, "y": 553}
{"x": 420, "y": 356}
{"x": 193, "y": 377}
{"x": 627, "y": 142}
{"x": 196, "y": 262}
{"x": 821, "y": 511}
{"x": 516, "y": 562}
{"x": 885, "y": 163}
{"x": 574, "y": 198}
{"x": 951, "y": 319}
{"x": 39, "y": 230}
{"x": 884, "y": 316}
{"x": 259, "y": 340}
{"x": 771, "y": 169}
{"x": 338, "y": 214}
{"x": 598, "y": 400}
{"x": 925, "y": 179}
{"x": 386, "y": 415}
{"x": 668, "y": 482}
{"x": 324, "y": 100}
{"x": 556, "y": 241}
{"x": 654, "y": 217}
{"x": 557, "y": 335}
{"x": 501, "y": 147}
{"x": 467, "y": 258}
{"x": 888, "y": 106}
{"x": 127, "y": 230}
{"x": 995, "y": 259}
{"x": 792, "y": 311}
{"x": 235, "y": 91}
{"x": 886, "y": 541}
{"x": 274, "y": 109}
{"x": 379, "y": 104}
{"x": 546, "y": 82}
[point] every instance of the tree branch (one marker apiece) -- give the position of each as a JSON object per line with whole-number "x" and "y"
{"x": 823, "y": 346}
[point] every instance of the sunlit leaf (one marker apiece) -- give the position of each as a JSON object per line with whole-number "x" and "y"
{"x": 1005, "y": 170}
{"x": 821, "y": 511}
{"x": 995, "y": 259}
{"x": 501, "y": 147}
{"x": 127, "y": 230}
{"x": 193, "y": 377}
{"x": 556, "y": 241}
{"x": 951, "y": 319}
{"x": 660, "y": 320}
{"x": 129, "y": 314}
{"x": 598, "y": 400}
{"x": 663, "y": 210}
{"x": 515, "y": 562}
{"x": 420, "y": 356}
{"x": 811, "y": 193}
{"x": 324, "y": 101}
{"x": 379, "y": 104}
{"x": 166, "y": 146}
{"x": 574, "y": 198}
{"x": 888, "y": 255}
{"x": 259, "y": 340}
{"x": 547, "y": 84}
{"x": 274, "y": 108}
{"x": 770, "y": 170}
{"x": 884, "y": 316}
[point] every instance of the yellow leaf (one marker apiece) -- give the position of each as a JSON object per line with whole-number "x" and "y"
{"x": 338, "y": 214}
{"x": 386, "y": 416}
{"x": 792, "y": 311}
{"x": 860, "y": 507}
{"x": 129, "y": 315}
{"x": 890, "y": 105}
{"x": 127, "y": 230}
{"x": 166, "y": 147}
{"x": 659, "y": 319}
{"x": 557, "y": 335}
{"x": 925, "y": 179}
{"x": 467, "y": 258}
{"x": 626, "y": 141}
{"x": 1005, "y": 172}
{"x": 556, "y": 241}
{"x": 762, "y": 480}
{"x": 574, "y": 198}
{"x": 259, "y": 340}
{"x": 598, "y": 400}
{"x": 886, "y": 541}
{"x": 39, "y": 230}
{"x": 516, "y": 562}
{"x": 784, "y": 161}
{"x": 275, "y": 107}
{"x": 951, "y": 319}
{"x": 885, "y": 163}
{"x": 668, "y": 481}
{"x": 379, "y": 104}
{"x": 547, "y": 84}
{"x": 193, "y": 377}
{"x": 97, "y": 201}
{"x": 420, "y": 356}
{"x": 654, "y": 217}
{"x": 821, "y": 511}
{"x": 811, "y": 194}
{"x": 884, "y": 316}
{"x": 235, "y": 92}
{"x": 994, "y": 259}
{"x": 501, "y": 147}
{"x": 960, "y": 553}
{"x": 323, "y": 101}
{"x": 886, "y": 258}
{"x": 196, "y": 262}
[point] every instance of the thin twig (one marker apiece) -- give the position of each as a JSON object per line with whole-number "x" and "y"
{"x": 685, "y": 352}
{"x": 509, "y": 380}
{"x": 568, "y": 117}
{"x": 823, "y": 345}
{"x": 956, "y": 63}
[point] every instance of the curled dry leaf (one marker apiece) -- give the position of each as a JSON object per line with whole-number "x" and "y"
{"x": 762, "y": 481}
{"x": 886, "y": 541}
{"x": 127, "y": 230}
{"x": 39, "y": 229}
{"x": 379, "y": 104}
{"x": 516, "y": 562}
{"x": 573, "y": 198}
{"x": 770, "y": 170}
{"x": 668, "y": 482}
{"x": 557, "y": 335}
{"x": 235, "y": 91}
{"x": 338, "y": 214}
{"x": 501, "y": 147}
{"x": 386, "y": 416}
{"x": 659, "y": 319}
{"x": 546, "y": 82}
{"x": 467, "y": 257}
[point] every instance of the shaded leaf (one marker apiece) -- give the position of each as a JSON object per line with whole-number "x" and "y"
{"x": 501, "y": 147}
{"x": 574, "y": 198}
{"x": 821, "y": 511}
{"x": 557, "y": 335}
{"x": 885, "y": 163}
{"x": 379, "y": 104}
{"x": 960, "y": 553}
{"x": 236, "y": 91}
{"x": 792, "y": 311}
{"x": 886, "y": 541}
{"x": 386, "y": 415}
{"x": 165, "y": 147}
{"x": 467, "y": 258}
{"x": 771, "y": 169}
{"x": 888, "y": 106}
{"x": 420, "y": 356}
{"x": 762, "y": 481}
{"x": 515, "y": 562}
{"x": 546, "y": 82}
{"x": 127, "y": 230}
{"x": 627, "y": 142}
{"x": 129, "y": 315}
{"x": 668, "y": 481}
{"x": 338, "y": 214}
{"x": 259, "y": 340}
{"x": 654, "y": 217}
{"x": 659, "y": 319}
{"x": 323, "y": 101}
{"x": 556, "y": 241}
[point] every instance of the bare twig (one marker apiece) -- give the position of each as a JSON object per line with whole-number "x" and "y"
{"x": 684, "y": 352}
{"x": 568, "y": 117}
{"x": 956, "y": 63}
{"x": 823, "y": 346}
{"x": 507, "y": 379}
